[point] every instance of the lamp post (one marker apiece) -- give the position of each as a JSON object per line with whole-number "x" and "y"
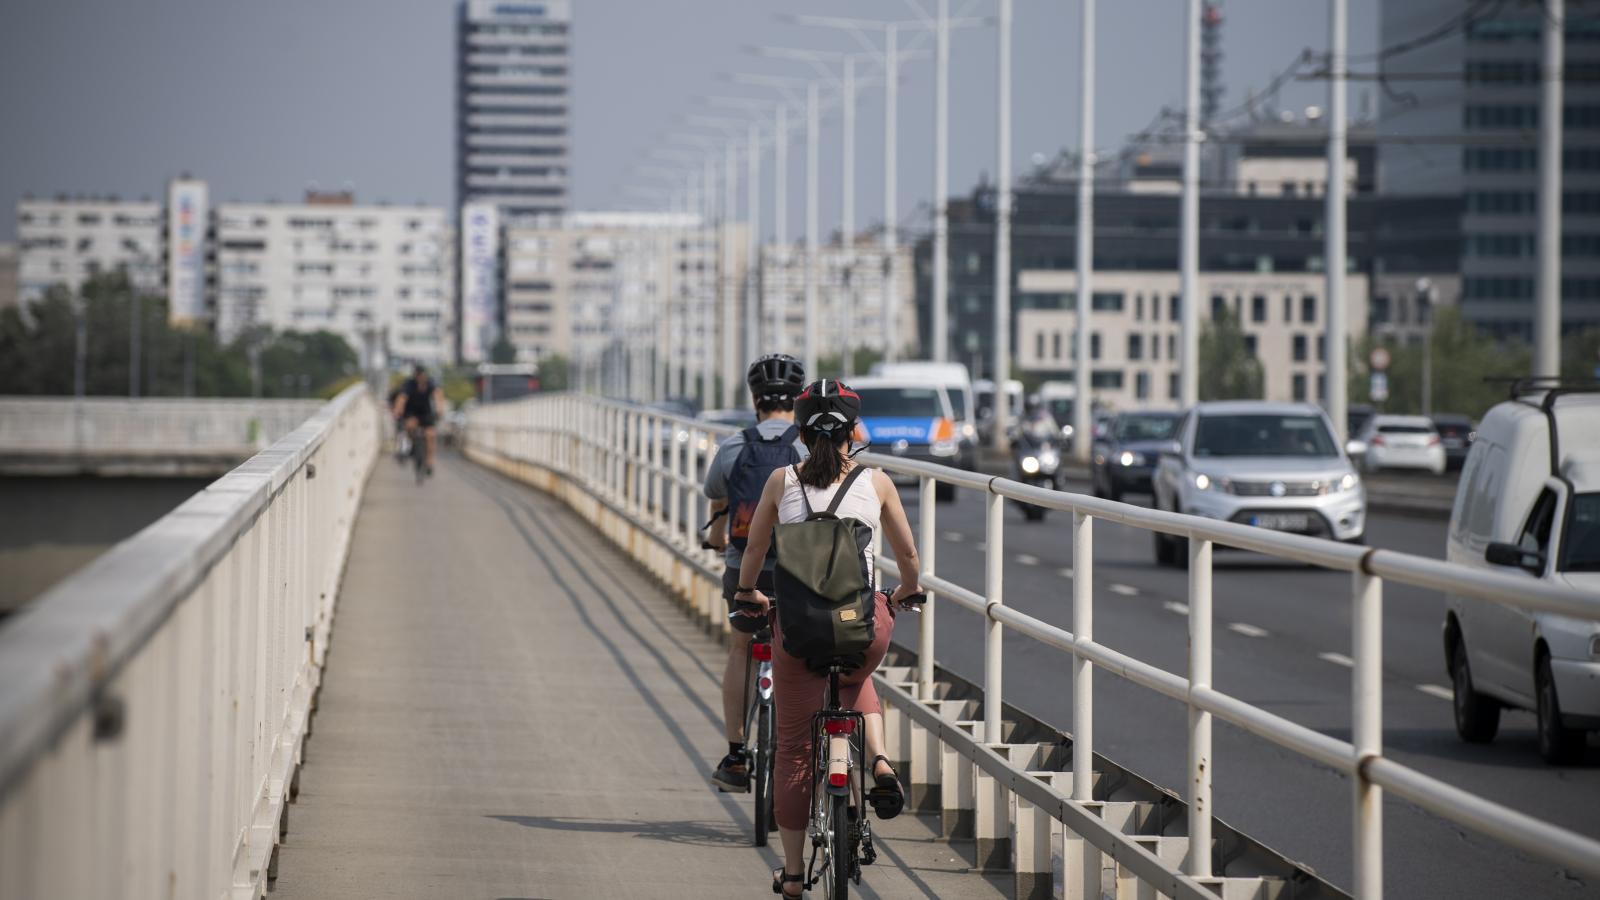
{"x": 1189, "y": 240}
{"x": 1334, "y": 230}
{"x": 1082, "y": 439}
{"x": 1547, "y": 314}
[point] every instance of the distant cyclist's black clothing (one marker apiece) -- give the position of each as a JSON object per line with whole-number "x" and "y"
{"x": 419, "y": 402}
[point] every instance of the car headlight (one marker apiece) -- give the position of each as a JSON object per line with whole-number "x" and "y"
{"x": 1130, "y": 458}
{"x": 1349, "y": 482}
{"x": 1202, "y": 481}
{"x": 1066, "y": 431}
{"x": 1030, "y": 464}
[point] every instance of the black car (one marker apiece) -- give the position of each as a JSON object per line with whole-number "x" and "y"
{"x": 1126, "y": 456}
{"x": 1456, "y": 433}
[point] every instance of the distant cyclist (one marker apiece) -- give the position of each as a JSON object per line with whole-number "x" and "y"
{"x": 420, "y": 402}
{"x": 734, "y": 482}
{"x": 827, "y": 412}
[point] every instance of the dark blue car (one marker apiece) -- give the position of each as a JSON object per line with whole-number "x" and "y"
{"x": 1127, "y": 454}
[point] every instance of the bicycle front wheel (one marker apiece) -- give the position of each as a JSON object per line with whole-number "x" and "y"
{"x": 840, "y": 851}
{"x": 761, "y": 775}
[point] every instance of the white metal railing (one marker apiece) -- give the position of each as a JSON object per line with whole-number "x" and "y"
{"x": 152, "y": 706}
{"x": 634, "y": 459}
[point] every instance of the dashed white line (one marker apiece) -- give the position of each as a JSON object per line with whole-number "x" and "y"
{"x": 1248, "y": 630}
{"x": 1027, "y": 559}
{"x": 954, "y": 537}
{"x": 1433, "y": 690}
{"x": 1126, "y": 590}
{"x": 1064, "y": 573}
{"x": 1338, "y": 659}
{"x": 1181, "y": 609}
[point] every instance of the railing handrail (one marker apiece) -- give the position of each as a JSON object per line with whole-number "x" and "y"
{"x": 1362, "y": 757}
{"x": 57, "y": 651}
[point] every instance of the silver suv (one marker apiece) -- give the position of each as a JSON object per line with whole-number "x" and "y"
{"x": 1272, "y": 465}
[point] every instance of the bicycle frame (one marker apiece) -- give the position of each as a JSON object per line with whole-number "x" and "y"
{"x": 836, "y": 734}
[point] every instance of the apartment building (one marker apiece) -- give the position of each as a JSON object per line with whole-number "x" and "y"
{"x": 851, "y": 286}
{"x": 66, "y": 240}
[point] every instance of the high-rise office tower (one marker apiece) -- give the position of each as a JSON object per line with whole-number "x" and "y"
{"x": 513, "y": 105}
{"x": 1460, "y": 115}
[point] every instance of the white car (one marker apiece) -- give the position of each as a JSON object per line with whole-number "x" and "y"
{"x": 1402, "y": 442}
{"x": 1272, "y": 465}
{"x": 1529, "y": 500}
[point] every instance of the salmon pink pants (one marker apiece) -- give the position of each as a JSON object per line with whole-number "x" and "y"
{"x": 798, "y": 694}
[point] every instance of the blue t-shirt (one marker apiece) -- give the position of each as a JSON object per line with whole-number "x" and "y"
{"x": 716, "y": 486}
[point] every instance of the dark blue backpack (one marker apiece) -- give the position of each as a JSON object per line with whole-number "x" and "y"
{"x": 757, "y": 460}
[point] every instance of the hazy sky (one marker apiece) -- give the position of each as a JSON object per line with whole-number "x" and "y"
{"x": 263, "y": 97}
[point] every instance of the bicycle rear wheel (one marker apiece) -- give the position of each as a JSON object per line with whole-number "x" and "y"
{"x": 761, "y": 774}
{"x": 840, "y": 851}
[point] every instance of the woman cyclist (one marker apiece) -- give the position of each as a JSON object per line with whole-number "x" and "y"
{"x": 827, "y": 413}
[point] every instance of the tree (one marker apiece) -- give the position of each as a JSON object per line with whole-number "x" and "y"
{"x": 1470, "y": 371}
{"x": 1228, "y": 369}
{"x": 554, "y": 373}
{"x": 503, "y": 351}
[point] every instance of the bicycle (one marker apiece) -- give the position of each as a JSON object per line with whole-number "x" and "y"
{"x": 402, "y": 444}
{"x": 842, "y": 840}
{"x": 419, "y": 455}
{"x": 760, "y": 726}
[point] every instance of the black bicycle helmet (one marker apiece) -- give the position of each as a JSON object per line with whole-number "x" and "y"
{"x": 828, "y": 407}
{"x": 775, "y": 377}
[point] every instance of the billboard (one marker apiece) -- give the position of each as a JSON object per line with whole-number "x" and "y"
{"x": 480, "y": 280}
{"x": 187, "y": 216}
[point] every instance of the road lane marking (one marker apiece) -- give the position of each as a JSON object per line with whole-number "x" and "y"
{"x": 1064, "y": 573}
{"x": 1338, "y": 659}
{"x": 1248, "y": 630}
{"x": 1181, "y": 609}
{"x": 1433, "y": 690}
{"x": 1027, "y": 560}
{"x": 954, "y": 537}
{"x": 1126, "y": 590}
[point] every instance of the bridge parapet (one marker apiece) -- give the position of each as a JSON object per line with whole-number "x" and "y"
{"x": 154, "y": 704}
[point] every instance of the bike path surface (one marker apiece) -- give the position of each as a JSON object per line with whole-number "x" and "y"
{"x": 512, "y": 710}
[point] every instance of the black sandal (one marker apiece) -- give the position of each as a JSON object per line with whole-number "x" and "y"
{"x": 781, "y": 878}
{"x": 887, "y": 798}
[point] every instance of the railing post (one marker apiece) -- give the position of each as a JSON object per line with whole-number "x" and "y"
{"x": 1199, "y": 793}
{"x": 1082, "y": 667}
{"x": 927, "y": 543}
{"x": 993, "y": 577}
{"x": 1366, "y": 595}
{"x": 674, "y": 486}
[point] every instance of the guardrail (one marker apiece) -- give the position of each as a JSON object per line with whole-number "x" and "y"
{"x": 152, "y": 706}
{"x": 636, "y": 473}
{"x": 149, "y": 436}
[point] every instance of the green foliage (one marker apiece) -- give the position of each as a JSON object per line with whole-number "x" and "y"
{"x": 1580, "y": 355}
{"x": 1228, "y": 370}
{"x": 459, "y": 385}
{"x": 1468, "y": 369}
{"x": 554, "y": 373}
{"x": 503, "y": 351}
{"x": 38, "y": 349}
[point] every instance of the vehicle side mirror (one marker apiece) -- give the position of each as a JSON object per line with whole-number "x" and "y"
{"x": 1171, "y": 448}
{"x": 1355, "y": 447}
{"x": 1502, "y": 553}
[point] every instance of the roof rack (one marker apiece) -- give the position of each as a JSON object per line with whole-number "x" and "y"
{"x": 1554, "y": 389}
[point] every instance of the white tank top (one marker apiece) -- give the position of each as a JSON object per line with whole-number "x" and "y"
{"x": 860, "y": 504}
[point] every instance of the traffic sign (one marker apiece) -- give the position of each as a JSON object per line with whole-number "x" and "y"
{"x": 1379, "y": 389}
{"x": 1379, "y": 358}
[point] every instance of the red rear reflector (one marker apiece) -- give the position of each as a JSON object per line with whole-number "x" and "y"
{"x": 1377, "y": 441}
{"x": 839, "y": 779}
{"x": 762, "y": 652}
{"x": 840, "y": 726}
{"x": 764, "y": 682}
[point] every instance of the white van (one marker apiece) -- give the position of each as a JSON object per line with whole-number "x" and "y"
{"x": 1529, "y": 501}
{"x": 1060, "y": 398}
{"x": 953, "y": 377}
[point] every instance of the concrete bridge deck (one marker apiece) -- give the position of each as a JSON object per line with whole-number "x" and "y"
{"x": 512, "y": 710}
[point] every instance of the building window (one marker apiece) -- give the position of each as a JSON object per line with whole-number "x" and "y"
{"x": 1055, "y": 345}
{"x": 1172, "y": 346}
{"x": 1174, "y": 307}
{"x": 1138, "y": 307}
{"x": 1038, "y": 345}
{"x": 1172, "y": 386}
{"x": 1322, "y": 387}
{"x": 1106, "y": 378}
{"x": 1219, "y": 303}
{"x": 1308, "y": 309}
{"x": 1322, "y": 348}
{"x": 1380, "y": 310}
{"x": 1258, "y": 308}
{"x": 1250, "y": 344}
{"x": 1155, "y": 305}
{"x": 1155, "y": 346}
{"x": 1288, "y": 309}
{"x": 1299, "y": 353}
{"x": 1094, "y": 345}
{"x": 1299, "y": 382}
{"x": 1107, "y": 301}
{"x": 1141, "y": 386}
{"x": 1135, "y": 346}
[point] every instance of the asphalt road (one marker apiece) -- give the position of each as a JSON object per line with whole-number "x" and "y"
{"x": 1283, "y": 641}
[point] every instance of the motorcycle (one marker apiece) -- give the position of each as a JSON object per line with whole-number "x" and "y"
{"x": 1035, "y": 460}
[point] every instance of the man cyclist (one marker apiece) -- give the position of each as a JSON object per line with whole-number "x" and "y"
{"x": 419, "y": 402}
{"x": 734, "y": 483}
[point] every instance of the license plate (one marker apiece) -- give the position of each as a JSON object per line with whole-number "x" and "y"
{"x": 1282, "y": 521}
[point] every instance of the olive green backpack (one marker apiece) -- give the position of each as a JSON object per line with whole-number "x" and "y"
{"x": 824, "y": 584}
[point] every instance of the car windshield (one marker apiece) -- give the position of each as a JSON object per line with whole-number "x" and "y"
{"x": 1145, "y": 427}
{"x": 1261, "y": 434}
{"x": 900, "y": 402}
{"x": 1581, "y": 549}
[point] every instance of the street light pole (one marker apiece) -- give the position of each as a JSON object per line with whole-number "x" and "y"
{"x": 1081, "y": 439}
{"x": 752, "y": 262}
{"x": 940, "y": 334}
{"x": 730, "y": 285}
{"x": 1334, "y": 236}
{"x": 135, "y": 324}
{"x": 847, "y": 225}
{"x": 1189, "y": 243}
{"x": 891, "y": 216}
{"x": 1547, "y": 315}
{"x": 709, "y": 257}
{"x": 811, "y": 228}
{"x": 1002, "y": 240}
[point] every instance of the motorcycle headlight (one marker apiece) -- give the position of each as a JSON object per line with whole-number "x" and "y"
{"x": 1030, "y": 465}
{"x": 1049, "y": 460}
